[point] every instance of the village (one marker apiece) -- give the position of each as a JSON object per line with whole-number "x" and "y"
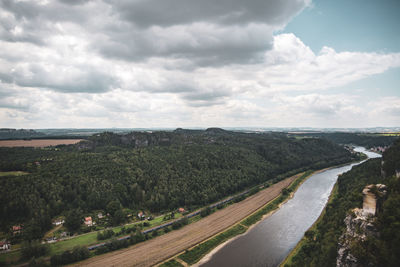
{"x": 91, "y": 224}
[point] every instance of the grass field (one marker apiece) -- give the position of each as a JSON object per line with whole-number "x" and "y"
{"x": 82, "y": 240}
{"x": 13, "y": 173}
{"x": 91, "y": 238}
{"x": 171, "y": 263}
{"x": 11, "y": 257}
{"x": 194, "y": 255}
{"x": 38, "y": 142}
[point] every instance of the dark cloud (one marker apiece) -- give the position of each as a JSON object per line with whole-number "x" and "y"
{"x": 66, "y": 80}
{"x": 6, "y": 78}
{"x": 74, "y": 2}
{"x": 53, "y": 11}
{"x": 33, "y": 22}
{"x": 204, "y": 32}
{"x": 202, "y": 44}
{"x": 9, "y": 99}
{"x": 145, "y": 13}
{"x": 208, "y": 33}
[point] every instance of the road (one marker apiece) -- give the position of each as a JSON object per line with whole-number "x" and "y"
{"x": 163, "y": 247}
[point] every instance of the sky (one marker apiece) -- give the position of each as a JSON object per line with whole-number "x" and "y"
{"x": 190, "y": 63}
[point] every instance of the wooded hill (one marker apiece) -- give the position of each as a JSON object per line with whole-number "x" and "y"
{"x": 367, "y": 140}
{"x": 156, "y": 172}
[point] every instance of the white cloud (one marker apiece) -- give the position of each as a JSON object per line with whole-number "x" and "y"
{"x": 219, "y": 67}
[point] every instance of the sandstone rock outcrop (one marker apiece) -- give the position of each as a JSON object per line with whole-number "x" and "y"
{"x": 360, "y": 224}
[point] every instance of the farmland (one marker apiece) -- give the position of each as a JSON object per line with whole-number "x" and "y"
{"x": 38, "y": 142}
{"x": 165, "y": 246}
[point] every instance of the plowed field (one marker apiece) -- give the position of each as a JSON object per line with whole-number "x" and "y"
{"x": 158, "y": 249}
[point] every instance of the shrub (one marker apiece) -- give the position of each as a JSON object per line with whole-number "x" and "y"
{"x": 33, "y": 249}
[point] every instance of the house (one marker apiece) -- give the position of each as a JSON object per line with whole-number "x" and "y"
{"x": 58, "y": 222}
{"x": 4, "y": 245}
{"x": 16, "y": 229}
{"x": 88, "y": 221}
{"x": 63, "y": 234}
{"x": 100, "y": 215}
{"x": 141, "y": 215}
{"x": 181, "y": 210}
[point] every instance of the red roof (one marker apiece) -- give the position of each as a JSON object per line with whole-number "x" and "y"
{"x": 181, "y": 210}
{"x": 88, "y": 219}
{"x": 16, "y": 227}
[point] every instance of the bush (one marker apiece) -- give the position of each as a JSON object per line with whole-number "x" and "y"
{"x": 205, "y": 212}
{"x": 36, "y": 263}
{"x": 184, "y": 220}
{"x": 106, "y": 234}
{"x": 33, "y": 249}
{"x": 176, "y": 225}
{"x": 130, "y": 229}
{"x": 239, "y": 198}
{"x": 77, "y": 254}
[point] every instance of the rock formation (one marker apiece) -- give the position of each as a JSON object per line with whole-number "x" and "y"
{"x": 360, "y": 224}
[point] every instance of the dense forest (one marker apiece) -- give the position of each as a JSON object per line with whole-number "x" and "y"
{"x": 156, "y": 172}
{"x": 367, "y": 140}
{"x": 320, "y": 247}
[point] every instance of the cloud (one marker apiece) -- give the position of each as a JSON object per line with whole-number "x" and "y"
{"x": 204, "y": 44}
{"x": 174, "y": 12}
{"x": 207, "y": 32}
{"x": 316, "y": 104}
{"x": 151, "y": 64}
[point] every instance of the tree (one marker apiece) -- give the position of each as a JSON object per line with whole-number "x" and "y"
{"x": 73, "y": 220}
{"x": 33, "y": 249}
{"x": 118, "y": 217}
{"x": 113, "y": 206}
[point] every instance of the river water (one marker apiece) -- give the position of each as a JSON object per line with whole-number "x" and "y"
{"x": 270, "y": 241}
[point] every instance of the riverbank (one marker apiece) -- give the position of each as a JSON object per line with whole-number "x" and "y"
{"x": 294, "y": 186}
{"x": 209, "y": 255}
{"x": 300, "y": 244}
{"x": 310, "y": 233}
{"x": 201, "y": 252}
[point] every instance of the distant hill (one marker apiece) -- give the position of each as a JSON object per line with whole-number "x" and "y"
{"x": 361, "y": 139}
{"x": 8, "y": 133}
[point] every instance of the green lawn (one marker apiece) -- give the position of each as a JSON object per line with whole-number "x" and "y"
{"x": 171, "y": 263}
{"x": 13, "y": 173}
{"x": 10, "y": 257}
{"x": 194, "y": 255}
{"x": 91, "y": 238}
{"x": 82, "y": 240}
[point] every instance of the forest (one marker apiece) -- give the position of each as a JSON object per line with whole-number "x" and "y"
{"x": 320, "y": 244}
{"x": 367, "y": 140}
{"x": 155, "y": 172}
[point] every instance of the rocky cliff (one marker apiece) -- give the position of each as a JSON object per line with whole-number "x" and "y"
{"x": 360, "y": 225}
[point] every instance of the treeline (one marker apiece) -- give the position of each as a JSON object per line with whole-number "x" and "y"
{"x": 361, "y": 139}
{"x": 192, "y": 170}
{"x": 9, "y": 133}
{"x": 320, "y": 245}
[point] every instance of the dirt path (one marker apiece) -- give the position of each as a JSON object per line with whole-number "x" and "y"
{"x": 158, "y": 249}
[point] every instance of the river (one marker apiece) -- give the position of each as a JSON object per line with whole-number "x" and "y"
{"x": 271, "y": 240}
